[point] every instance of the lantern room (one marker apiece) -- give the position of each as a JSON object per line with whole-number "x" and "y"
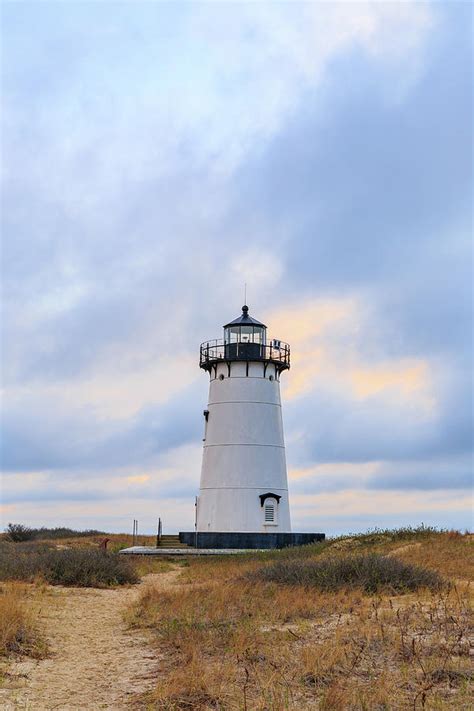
{"x": 244, "y": 337}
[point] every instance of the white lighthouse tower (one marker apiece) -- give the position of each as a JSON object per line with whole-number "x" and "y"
{"x": 244, "y": 487}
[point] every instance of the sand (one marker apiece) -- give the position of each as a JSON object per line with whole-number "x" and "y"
{"x": 95, "y": 662}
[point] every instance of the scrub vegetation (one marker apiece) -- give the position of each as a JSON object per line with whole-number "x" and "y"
{"x": 17, "y": 533}
{"x": 371, "y": 572}
{"x": 69, "y": 538}
{"x": 375, "y": 621}
{"x": 69, "y": 567}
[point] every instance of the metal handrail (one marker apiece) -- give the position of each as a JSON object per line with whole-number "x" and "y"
{"x": 276, "y": 351}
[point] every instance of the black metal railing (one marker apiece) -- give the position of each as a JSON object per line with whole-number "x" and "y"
{"x": 213, "y": 352}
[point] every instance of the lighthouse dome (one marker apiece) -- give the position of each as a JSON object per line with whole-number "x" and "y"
{"x": 245, "y": 339}
{"x": 245, "y": 320}
{"x": 246, "y": 330}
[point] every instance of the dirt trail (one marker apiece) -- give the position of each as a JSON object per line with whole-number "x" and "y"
{"x": 95, "y": 662}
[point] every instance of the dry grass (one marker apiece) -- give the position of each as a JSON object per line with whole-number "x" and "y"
{"x": 18, "y": 633}
{"x": 116, "y": 542}
{"x": 234, "y": 644}
{"x": 450, "y": 554}
{"x": 144, "y": 565}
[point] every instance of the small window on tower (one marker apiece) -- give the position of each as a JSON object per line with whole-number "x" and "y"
{"x": 221, "y": 376}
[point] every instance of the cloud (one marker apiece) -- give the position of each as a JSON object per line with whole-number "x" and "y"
{"x": 329, "y": 343}
{"x": 408, "y": 377}
{"x": 117, "y": 388}
{"x": 155, "y": 161}
{"x": 420, "y": 475}
{"x": 376, "y": 503}
{"x": 62, "y": 437}
{"x": 138, "y": 478}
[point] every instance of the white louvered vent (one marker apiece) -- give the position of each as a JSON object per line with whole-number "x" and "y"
{"x": 269, "y": 513}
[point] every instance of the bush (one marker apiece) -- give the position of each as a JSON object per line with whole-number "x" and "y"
{"x": 63, "y": 532}
{"x": 17, "y": 533}
{"x": 370, "y": 572}
{"x": 404, "y": 533}
{"x": 74, "y": 567}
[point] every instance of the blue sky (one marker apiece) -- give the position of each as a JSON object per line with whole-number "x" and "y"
{"x": 156, "y": 156}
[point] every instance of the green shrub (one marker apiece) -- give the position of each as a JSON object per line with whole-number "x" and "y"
{"x": 405, "y": 533}
{"x": 17, "y": 533}
{"x": 63, "y": 532}
{"x": 370, "y": 572}
{"x": 73, "y": 567}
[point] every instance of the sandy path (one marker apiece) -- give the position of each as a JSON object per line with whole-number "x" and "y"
{"x": 95, "y": 662}
{"x": 403, "y": 549}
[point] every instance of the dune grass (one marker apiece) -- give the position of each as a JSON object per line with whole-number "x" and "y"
{"x": 18, "y": 633}
{"x": 231, "y": 638}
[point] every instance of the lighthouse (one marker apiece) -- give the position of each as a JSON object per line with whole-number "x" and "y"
{"x": 244, "y": 485}
{"x": 243, "y": 495}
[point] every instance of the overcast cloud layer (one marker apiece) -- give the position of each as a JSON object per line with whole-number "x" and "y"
{"x": 156, "y": 157}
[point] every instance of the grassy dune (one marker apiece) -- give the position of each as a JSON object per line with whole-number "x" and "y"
{"x": 367, "y": 622}
{"x": 18, "y": 630}
{"x": 68, "y": 538}
{"x": 234, "y": 635}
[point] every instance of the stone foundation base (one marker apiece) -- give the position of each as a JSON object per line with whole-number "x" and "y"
{"x": 236, "y": 540}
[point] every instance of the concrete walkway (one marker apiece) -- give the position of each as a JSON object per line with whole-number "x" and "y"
{"x": 147, "y": 550}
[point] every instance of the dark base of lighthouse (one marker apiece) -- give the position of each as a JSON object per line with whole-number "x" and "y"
{"x": 236, "y": 540}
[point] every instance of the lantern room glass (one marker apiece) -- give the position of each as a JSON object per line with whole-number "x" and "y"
{"x": 245, "y": 334}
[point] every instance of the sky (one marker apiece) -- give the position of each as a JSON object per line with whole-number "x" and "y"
{"x": 157, "y": 156}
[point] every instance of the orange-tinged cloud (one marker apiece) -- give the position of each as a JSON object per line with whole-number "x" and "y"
{"x": 6, "y": 508}
{"x": 138, "y": 479}
{"x": 346, "y": 469}
{"x": 300, "y": 322}
{"x": 323, "y": 335}
{"x": 310, "y": 327}
{"x": 307, "y": 367}
{"x": 406, "y": 375}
